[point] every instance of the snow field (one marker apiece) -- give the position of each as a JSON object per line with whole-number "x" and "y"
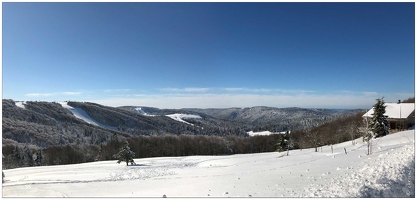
{"x": 251, "y": 133}
{"x": 179, "y": 117}
{"x": 20, "y": 104}
{"x": 81, "y": 114}
{"x": 388, "y": 172}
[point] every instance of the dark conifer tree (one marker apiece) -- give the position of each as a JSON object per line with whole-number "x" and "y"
{"x": 125, "y": 154}
{"x": 379, "y": 125}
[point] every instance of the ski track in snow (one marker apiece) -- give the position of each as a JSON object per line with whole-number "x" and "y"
{"x": 388, "y": 172}
{"x": 81, "y": 114}
{"x": 179, "y": 117}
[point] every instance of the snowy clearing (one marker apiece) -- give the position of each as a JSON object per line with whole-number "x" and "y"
{"x": 179, "y": 117}
{"x": 251, "y": 133}
{"x": 81, "y": 114}
{"x": 142, "y": 112}
{"x": 20, "y": 104}
{"x": 388, "y": 172}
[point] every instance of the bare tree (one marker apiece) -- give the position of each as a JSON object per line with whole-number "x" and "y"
{"x": 367, "y": 136}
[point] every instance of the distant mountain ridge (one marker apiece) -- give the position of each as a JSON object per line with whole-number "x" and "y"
{"x": 264, "y": 118}
{"x": 48, "y": 123}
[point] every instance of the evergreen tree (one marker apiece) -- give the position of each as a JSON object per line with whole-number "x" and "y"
{"x": 285, "y": 143}
{"x": 38, "y": 158}
{"x": 125, "y": 154}
{"x": 379, "y": 125}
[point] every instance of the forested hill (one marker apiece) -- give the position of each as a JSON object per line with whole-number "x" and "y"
{"x": 46, "y": 124}
{"x": 263, "y": 118}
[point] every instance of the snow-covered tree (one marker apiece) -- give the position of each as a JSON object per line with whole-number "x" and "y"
{"x": 285, "y": 143}
{"x": 125, "y": 154}
{"x": 37, "y": 157}
{"x": 379, "y": 125}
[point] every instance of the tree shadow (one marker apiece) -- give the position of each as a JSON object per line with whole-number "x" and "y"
{"x": 139, "y": 165}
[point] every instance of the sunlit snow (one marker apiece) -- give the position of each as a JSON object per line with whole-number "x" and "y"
{"x": 81, "y": 114}
{"x": 388, "y": 172}
{"x": 179, "y": 117}
{"x": 20, "y": 104}
{"x": 395, "y": 110}
{"x": 142, "y": 112}
{"x": 251, "y": 133}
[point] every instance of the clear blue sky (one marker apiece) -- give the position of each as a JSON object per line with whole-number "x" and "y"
{"x": 175, "y": 55}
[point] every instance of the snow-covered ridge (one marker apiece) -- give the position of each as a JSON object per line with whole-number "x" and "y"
{"x": 81, "y": 114}
{"x": 179, "y": 117}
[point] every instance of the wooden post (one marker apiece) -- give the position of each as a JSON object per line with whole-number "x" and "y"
{"x": 345, "y": 151}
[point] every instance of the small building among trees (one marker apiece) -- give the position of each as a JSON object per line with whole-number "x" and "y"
{"x": 399, "y": 115}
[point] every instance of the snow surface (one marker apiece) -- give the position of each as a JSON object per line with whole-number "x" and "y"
{"x": 179, "y": 117}
{"x": 20, "y": 104}
{"x": 81, "y": 114}
{"x": 251, "y": 133}
{"x": 142, "y": 112}
{"x": 388, "y": 172}
{"x": 395, "y": 110}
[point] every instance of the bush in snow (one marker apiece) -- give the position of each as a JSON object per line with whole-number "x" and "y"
{"x": 125, "y": 154}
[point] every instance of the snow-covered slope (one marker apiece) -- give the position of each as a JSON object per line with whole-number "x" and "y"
{"x": 251, "y": 133}
{"x": 142, "y": 112}
{"x": 388, "y": 172}
{"x": 179, "y": 117}
{"x": 20, "y": 104}
{"x": 81, "y": 114}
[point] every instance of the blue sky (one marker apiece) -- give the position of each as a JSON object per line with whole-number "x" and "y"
{"x": 179, "y": 55}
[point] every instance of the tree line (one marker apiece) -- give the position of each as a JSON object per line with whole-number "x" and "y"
{"x": 24, "y": 155}
{"x": 337, "y": 131}
{"x": 144, "y": 146}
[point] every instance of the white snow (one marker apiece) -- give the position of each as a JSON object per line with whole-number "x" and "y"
{"x": 251, "y": 133}
{"x": 20, "y": 104}
{"x": 388, "y": 172}
{"x": 142, "y": 112}
{"x": 395, "y": 110}
{"x": 179, "y": 117}
{"x": 81, "y": 114}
